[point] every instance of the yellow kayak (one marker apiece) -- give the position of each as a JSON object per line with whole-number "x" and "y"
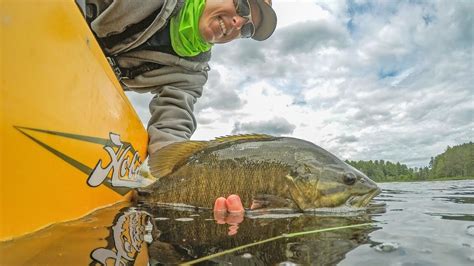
{"x": 70, "y": 140}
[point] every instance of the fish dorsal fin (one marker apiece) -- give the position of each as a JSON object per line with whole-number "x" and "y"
{"x": 242, "y": 137}
{"x": 164, "y": 161}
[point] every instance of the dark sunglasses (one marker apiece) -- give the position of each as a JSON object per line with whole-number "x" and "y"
{"x": 243, "y": 10}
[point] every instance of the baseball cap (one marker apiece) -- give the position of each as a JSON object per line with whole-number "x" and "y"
{"x": 268, "y": 21}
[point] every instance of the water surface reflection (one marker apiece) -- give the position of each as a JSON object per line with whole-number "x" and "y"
{"x": 415, "y": 224}
{"x": 186, "y": 241}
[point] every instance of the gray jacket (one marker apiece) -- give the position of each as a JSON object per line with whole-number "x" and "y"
{"x": 176, "y": 84}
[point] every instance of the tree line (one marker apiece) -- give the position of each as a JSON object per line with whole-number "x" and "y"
{"x": 455, "y": 162}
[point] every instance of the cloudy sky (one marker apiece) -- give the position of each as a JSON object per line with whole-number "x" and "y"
{"x": 366, "y": 80}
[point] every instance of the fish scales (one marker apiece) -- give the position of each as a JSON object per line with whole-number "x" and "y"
{"x": 220, "y": 178}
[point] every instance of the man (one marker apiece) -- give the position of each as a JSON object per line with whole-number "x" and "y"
{"x": 163, "y": 47}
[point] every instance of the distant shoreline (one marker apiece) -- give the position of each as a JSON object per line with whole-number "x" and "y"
{"x": 429, "y": 180}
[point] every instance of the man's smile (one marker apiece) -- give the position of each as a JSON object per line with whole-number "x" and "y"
{"x": 222, "y": 25}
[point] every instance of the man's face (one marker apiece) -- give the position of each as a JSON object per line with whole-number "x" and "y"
{"x": 220, "y": 23}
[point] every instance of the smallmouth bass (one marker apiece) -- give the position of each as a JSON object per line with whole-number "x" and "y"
{"x": 265, "y": 171}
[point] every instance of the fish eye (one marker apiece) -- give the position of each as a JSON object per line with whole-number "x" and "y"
{"x": 349, "y": 179}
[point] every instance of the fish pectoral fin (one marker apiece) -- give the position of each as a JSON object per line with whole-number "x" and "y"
{"x": 296, "y": 194}
{"x": 263, "y": 201}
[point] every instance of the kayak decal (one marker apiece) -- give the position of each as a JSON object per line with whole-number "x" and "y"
{"x": 123, "y": 163}
{"x": 122, "y": 168}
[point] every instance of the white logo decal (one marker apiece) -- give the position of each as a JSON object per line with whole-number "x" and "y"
{"x": 123, "y": 163}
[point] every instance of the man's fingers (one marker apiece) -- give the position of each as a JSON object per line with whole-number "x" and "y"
{"x": 220, "y": 210}
{"x": 234, "y": 204}
{"x": 229, "y": 211}
{"x": 220, "y": 205}
{"x": 234, "y": 218}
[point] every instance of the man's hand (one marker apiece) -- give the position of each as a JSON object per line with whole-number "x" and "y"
{"x": 229, "y": 211}
{"x": 232, "y": 204}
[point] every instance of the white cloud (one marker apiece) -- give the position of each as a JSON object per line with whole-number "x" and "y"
{"x": 306, "y": 10}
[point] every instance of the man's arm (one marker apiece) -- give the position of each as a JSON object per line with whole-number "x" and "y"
{"x": 172, "y": 117}
{"x": 176, "y": 90}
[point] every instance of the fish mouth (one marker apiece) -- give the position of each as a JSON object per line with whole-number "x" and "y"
{"x": 363, "y": 200}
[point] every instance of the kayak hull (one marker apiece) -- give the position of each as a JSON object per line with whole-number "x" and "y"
{"x": 70, "y": 140}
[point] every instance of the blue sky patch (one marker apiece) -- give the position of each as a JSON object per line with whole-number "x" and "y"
{"x": 387, "y": 73}
{"x": 354, "y": 8}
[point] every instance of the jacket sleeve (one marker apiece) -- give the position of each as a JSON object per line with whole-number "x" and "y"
{"x": 172, "y": 117}
{"x": 172, "y": 111}
{"x": 176, "y": 91}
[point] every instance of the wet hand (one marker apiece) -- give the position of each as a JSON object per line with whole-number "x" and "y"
{"x": 229, "y": 211}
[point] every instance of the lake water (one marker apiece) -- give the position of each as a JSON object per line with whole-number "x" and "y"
{"x": 422, "y": 223}
{"x": 431, "y": 222}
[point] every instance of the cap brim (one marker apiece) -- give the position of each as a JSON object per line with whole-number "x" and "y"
{"x": 268, "y": 23}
